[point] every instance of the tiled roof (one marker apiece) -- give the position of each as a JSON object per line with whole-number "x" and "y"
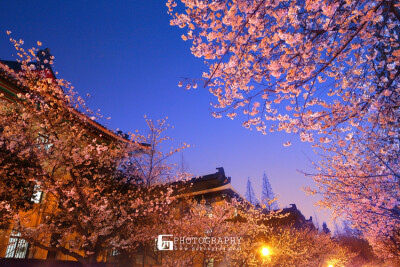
{"x": 8, "y": 70}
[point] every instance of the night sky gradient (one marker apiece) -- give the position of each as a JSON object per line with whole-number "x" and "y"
{"x": 130, "y": 60}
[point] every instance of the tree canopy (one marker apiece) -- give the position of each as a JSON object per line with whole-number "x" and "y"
{"x": 326, "y": 70}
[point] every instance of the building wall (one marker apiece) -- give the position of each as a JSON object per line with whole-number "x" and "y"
{"x": 34, "y": 216}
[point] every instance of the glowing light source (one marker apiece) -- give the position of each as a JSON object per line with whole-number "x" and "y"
{"x": 265, "y": 251}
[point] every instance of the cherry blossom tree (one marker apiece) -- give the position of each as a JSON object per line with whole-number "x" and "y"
{"x": 305, "y": 247}
{"x": 326, "y": 62}
{"x": 362, "y": 185}
{"x": 353, "y": 240}
{"x": 100, "y": 190}
{"x": 227, "y": 218}
{"x": 288, "y": 246}
{"x": 326, "y": 70}
{"x": 152, "y": 165}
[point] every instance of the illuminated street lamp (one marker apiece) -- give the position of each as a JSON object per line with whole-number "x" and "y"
{"x": 265, "y": 251}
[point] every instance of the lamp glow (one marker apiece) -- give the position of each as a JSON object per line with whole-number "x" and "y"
{"x": 265, "y": 251}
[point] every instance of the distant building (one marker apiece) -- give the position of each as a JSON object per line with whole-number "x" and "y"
{"x": 293, "y": 218}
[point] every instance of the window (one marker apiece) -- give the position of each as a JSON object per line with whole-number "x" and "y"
{"x": 115, "y": 252}
{"x": 37, "y": 194}
{"x": 43, "y": 142}
{"x": 17, "y": 247}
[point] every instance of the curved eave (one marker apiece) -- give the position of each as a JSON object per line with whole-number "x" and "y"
{"x": 223, "y": 188}
{"x": 11, "y": 85}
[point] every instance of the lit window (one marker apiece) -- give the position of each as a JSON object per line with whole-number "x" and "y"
{"x": 115, "y": 252}
{"x": 17, "y": 247}
{"x": 37, "y": 194}
{"x": 43, "y": 142}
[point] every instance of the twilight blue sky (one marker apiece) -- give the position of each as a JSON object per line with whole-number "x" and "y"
{"x": 125, "y": 54}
